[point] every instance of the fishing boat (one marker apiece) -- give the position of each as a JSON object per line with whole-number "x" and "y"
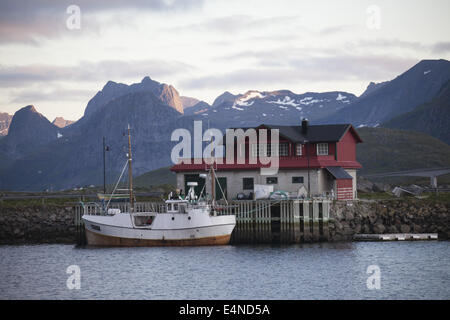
{"x": 182, "y": 221}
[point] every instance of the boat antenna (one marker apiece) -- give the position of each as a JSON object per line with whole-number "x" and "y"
{"x": 130, "y": 171}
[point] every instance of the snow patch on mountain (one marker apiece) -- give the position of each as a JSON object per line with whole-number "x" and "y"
{"x": 286, "y": 101}
{"x": 309, "y": 100}
{"x": 341, "y": 97}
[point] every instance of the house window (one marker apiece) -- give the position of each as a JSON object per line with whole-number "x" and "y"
{"x": 298, "y": 149}
{"x": 272, "y": 180}
{"x": 284, "y": 150}
{"x": 247, "y": 183}
{"x": 266, "y": 149}
{"x": 322, "y": 149}
{"x": 297, "y": 179}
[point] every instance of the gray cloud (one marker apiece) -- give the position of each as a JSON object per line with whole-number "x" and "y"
{"x": 235, "y": 23}
{"x": 441, "y": 47}
{"x": 25, "y": 21}
{"x": 30, "y": 96}
{"x": 18, "y": 76}
{"x": 309, "y": 69}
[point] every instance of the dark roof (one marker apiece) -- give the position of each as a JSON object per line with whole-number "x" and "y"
{"x": 339, "y": 173}
{"x": 315, "y": 133}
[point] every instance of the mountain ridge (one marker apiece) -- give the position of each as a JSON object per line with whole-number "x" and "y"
{"x": 38, "y": 154}
{"x": 432, "y": 117}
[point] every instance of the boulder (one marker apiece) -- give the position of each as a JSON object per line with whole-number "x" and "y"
{"x": 404, "y": 228}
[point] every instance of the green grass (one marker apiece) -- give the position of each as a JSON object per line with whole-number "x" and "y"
{"x": 387, "y": 150}
{"x": 159, "y": 177}
{"x": 426, "y": 197}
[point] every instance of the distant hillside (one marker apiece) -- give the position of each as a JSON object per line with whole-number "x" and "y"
{"x": 382, "y": 102}
{"x": 28, "y": 130}
{"x": 5, "y": 121}
{"x": 188, "y": 102}
{"x": 155, "y": 178}
{"x": 432, "y": 118}
{"x": 386, "y": 150}
{"x": 60, "y": 122}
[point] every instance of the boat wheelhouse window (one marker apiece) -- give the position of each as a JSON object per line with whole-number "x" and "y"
{"x": 142, "y": 221}
{"x": 175, "y": 207}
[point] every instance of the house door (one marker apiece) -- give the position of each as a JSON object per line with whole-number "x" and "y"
{"x": 223, "y": 185}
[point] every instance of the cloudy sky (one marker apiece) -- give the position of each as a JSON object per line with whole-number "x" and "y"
{"x": 206, "y": 47}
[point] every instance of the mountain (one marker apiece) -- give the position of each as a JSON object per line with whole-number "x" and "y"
{"x": 188, "y": 102}
{"x": 388, "y": 150}
{"x": 414, "y": 87}
{"x": 5, "y": 121}
{"x": 60, "y": 122}
{"x": 112, "y": 90}
{"x": 432, "y": 118}
{"x": 273, "y": 107}
{"x": 28, "y": 130}
{"x": 37, "y": 155}
{"x": 198, "y": 108}
{"x": 225, "y": 97}
{"x": 372, "y": 87}
{"x": 75, "y": 159}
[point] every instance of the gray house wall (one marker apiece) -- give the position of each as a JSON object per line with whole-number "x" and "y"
{"x": 321, "y": 181}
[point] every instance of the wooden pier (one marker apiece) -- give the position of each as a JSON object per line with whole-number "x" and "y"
{"x": 396, "y": 237}
{"x": 260, "y": 221}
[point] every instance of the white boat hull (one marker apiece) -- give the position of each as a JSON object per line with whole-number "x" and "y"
{"x": 167, "y": 229}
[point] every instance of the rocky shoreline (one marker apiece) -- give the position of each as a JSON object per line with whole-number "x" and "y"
{"x": 388, "y": 216}
{"x": 36, "y": 224}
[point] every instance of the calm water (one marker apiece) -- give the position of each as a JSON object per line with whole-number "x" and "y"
{"x": 409, "y": 270}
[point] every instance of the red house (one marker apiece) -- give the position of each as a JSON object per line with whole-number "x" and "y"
{"x": 320, "y": 159}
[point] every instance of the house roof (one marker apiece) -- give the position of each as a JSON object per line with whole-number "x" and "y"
{"x": 315, "y": 133}
{"x": 338, "y": 173}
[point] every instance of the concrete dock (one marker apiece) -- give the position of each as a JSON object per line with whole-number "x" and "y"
{"x": 395, "y": 237}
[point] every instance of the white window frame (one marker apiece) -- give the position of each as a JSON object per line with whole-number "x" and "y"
{"x": 299, "y": 147}
{"x": 322, "y": 149}
{"x": 268, "y": 147}
{"x": 283, "y": 149}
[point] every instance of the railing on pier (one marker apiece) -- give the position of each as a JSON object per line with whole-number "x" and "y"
{"x": 257, "y": 221}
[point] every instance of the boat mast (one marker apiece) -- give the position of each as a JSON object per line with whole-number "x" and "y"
{"x": 213, "y": 177}
{"x": 130, "y": 172}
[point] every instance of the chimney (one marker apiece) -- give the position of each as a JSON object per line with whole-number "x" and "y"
{"x": 304, "y": 126}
